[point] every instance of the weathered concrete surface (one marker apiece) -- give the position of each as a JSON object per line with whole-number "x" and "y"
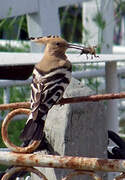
{"x": 76, "y": 129}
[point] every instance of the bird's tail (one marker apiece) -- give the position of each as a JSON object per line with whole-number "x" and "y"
{"x": 33, "y": 130}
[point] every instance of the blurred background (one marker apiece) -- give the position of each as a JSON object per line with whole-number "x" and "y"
{"x": 78, "y": 24}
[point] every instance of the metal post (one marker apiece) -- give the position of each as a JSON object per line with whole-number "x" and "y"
{"x": 111, "y": 67}
{"x": 112, "y": 86}
{"x": 6, "y": 95}
{"x": 107, "y": 10}
{"x": 107, "y": 36}
{"x": 44, "y": 22}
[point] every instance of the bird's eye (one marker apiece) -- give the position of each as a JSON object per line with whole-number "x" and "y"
{"x": 57, "y": 43}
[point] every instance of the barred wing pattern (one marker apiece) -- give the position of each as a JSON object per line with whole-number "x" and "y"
{"x": 47, "y": 89}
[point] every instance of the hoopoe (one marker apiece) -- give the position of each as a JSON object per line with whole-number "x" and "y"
{"x": 51, "y": 76}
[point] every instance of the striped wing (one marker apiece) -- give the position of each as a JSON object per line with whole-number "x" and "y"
{"x": 46, "y": 91}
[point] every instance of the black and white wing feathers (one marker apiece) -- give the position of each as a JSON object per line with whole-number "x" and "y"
{"x": 47, "y": 89}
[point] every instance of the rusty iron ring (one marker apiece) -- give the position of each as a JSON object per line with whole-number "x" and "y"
{"x": 119, "y": 177}
{"x": 78, "y": 172}
{"x": 4, "y": 132}
{"x": 18, "y": 169}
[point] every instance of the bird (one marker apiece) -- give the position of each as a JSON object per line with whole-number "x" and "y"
{"x": 51, "y": 76}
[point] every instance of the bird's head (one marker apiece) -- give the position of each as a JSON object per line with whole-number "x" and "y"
{"x": 55, "y": 44}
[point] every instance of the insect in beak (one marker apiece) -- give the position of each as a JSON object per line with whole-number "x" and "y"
{"x": 85, "y": 50}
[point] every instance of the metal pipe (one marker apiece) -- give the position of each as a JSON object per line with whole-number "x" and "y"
{"x": 112, "y": 87}
{"x": 76, "y": 74}
{"x": 98, "y": 97}
{"x": 66, "y": 162}
{"x": 9, "y": 83}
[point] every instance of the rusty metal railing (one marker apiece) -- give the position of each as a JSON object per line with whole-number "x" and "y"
{"x": 80, "y": 165}
{"x": 24, "y": 160}
{"x": 79, "y": 99}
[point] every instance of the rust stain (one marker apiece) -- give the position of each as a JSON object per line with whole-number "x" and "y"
{"x": 111, "y": 165}
{"x": 50, "y": 164}
{"x": 33, "y": 159}
{"x": 20, "y": 159}
{"x": 100, "y": 163}
{"x": 36, "y": 160}
{"x": 72, "y": 162}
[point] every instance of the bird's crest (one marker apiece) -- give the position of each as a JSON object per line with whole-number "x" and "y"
{"x": 44, "y": 39}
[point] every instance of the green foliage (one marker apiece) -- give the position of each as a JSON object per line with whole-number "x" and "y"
{"x": 9, "y": 48}
{"x": 19, "y": 94}
{"x": 101, "y": 24}
{"x": 99, "y": 21}
{"x": 93, "y": 83}
{"x": 1, "y": 95}
{"x": 120, "y": 7}
{"x": 14, "y": 131}
{"x": 77, "y": 68}
{"x": 71, "y": 23}
{"x": 13, "y": 27}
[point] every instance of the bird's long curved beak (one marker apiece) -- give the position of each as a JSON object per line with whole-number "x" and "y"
{"x": 75, "y": 46}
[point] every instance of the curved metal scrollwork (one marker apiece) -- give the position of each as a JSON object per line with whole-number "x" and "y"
{"x": 19, "y": 169}
{"x": 76, "y": 173}
{"x": 86, "y": 166}
{"x": 121, "y": 176}
{"x": 4, "y": 132}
